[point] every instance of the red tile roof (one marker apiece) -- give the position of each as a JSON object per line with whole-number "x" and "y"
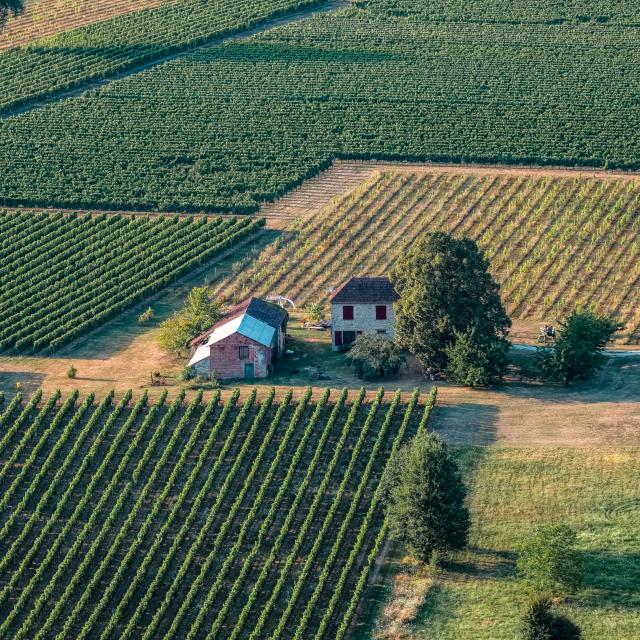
{"x": 366, "y": 290}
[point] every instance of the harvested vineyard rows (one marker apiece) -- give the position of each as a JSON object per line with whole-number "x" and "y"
{"x": 554, "y": 241}
{"x": 44, "y": 18}
{"x": 238, "y": 519}
{"x": 62, "y": 275}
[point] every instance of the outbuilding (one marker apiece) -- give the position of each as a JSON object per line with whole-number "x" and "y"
{"x": 244, "y": 344}
{"x": 362, "y": 305}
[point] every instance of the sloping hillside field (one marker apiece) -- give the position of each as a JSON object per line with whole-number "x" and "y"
{"x": 62, "y": 275}
{"x": 241, "y": 518}
{"x": 226, "y": 127}
{"x": 552, "y": 242}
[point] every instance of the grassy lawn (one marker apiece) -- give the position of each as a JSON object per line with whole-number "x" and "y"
{"x": 477, "y": 595}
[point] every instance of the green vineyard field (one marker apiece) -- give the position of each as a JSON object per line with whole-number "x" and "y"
{"x": 226, "y": 127}
{"x": 193, "y": 518}
{"x": 553, "y": 243}
{"x": 71, "y": 58}
{"x": 62, "y": 275}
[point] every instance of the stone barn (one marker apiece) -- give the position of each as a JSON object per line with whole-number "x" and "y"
{"x": 362, "y": 305}
{"x": 244, "y": 344}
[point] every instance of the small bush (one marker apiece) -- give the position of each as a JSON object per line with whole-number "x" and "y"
{"x": 373, "y": 356}
{"x": 549, "y": 562}
{"x": 72, "y": 372}
{"x": 316, "y": 313}
{"x": 186, "y": 374}
{"x": 146, "y": 317}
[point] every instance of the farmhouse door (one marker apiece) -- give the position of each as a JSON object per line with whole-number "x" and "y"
{"x": 249, "y": 370}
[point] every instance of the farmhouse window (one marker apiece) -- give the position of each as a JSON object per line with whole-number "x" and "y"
{"x": 381, "y": 312}
{"x": 243, "y": 353}
{"x": 382, "y": 332}
{"x": 347, "y": 312}
{"x": 338, "y": 338}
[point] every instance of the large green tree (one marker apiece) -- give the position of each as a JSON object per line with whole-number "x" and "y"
{"x": 578, "y": 352}
{"x": 9, "y": 7}
{"x": 426, "y": 498}
{"x": 445, "y": 290}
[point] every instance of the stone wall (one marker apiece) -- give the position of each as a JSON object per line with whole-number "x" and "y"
{"x": 364, "y": 320}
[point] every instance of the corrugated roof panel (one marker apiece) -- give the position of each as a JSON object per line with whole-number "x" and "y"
{"x": 247, "y": 326}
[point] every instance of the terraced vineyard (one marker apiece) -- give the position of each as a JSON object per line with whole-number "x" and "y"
{"x": 72, "y": 58}
{"x": 47, "y": 17}
{"x": 193, "y": 519}
{"x": 62, "y": 275}
{"x": 553, "y": 242}
{"x": 226, "y": 127}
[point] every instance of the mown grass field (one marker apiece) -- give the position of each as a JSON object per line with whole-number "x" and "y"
{"x": 477, "y": 595}
{"x": 226, "y": 127}
{"x": 63, "y": 275}
{"x": 553, "y": 242}
{"x": 193, "y": 518}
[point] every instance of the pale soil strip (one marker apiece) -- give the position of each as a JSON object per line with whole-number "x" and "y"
{"x": 43, "y": 18}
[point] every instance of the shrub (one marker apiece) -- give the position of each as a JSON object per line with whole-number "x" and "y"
{"x": 72, "y": 372}
{"x": 372, "y": 356}
{"x": 577, "y": 354}
{"x": 316, "y": 313}
{"x": 549, "y": 562}
{"x": 146, "y": 316}
{"x": 186, "y": 373}
{"x": 426, "y": 498}
{"x": 475, "y": 359}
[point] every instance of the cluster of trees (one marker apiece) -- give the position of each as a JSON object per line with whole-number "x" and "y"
{"x": 451, "y": 317}
{"x": 426, "y": 510}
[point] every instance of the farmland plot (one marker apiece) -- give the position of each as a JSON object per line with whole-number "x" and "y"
{"x": 477, "y": 596}
{"x": 553, "y": 242}
{"x": 62, "y": 275}
{"x": 72, "y": 58}
{"x": 47, "y": 17}
{"x": 194, "y": 519}
{"x": 227, "y": 127}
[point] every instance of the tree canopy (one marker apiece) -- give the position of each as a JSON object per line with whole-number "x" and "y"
{"x": 426, "y": 498}
{"x": 9, "y": 7}
{"x": 445, "y": 289}
{"x": 578, "y": 352}
{"x": 199, "y": 313}
{"x": 549, "y": 562}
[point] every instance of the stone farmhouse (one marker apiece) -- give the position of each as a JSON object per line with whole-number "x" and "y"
{"x": 243, "y": 344}
{"x": 362, "y": 305}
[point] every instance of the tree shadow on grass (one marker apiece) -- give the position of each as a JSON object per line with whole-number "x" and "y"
{"x": 28, "y": 381}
